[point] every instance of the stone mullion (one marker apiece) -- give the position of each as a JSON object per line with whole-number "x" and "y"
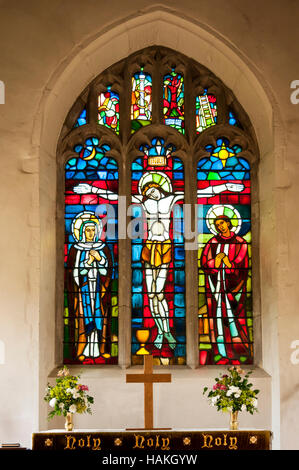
{"x": 125, "y": 107}
{"x": 222, "y": 106}
{"x": 189, "y": 108}
{"x": 157, "y": 95}
{"x": 191, "y": 267}
{"x": 92, "y": 106}
{"x": 125, "y": 273}
{"x": 124, "y": 243}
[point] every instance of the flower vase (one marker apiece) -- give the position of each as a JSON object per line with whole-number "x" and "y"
{"x": 234, "y": 425}
{"x": 69, "y": 425}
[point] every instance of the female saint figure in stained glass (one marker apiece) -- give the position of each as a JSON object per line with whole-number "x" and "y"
{"x": 91, "y": 256}
{"x": 89, "y": 272}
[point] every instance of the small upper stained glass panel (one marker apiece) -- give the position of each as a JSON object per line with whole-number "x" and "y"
{"x": 232, "y": 119}
{"x": 206, "y": 111}
{"x": 108, "y": 109}
{"x": 173, "y": 101}
{"x": 141, "y": 103}
{"x": 82, "y": 119}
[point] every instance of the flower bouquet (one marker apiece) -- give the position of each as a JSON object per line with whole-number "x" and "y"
{"x": 232, "y": 393}
{"x": 68, "y": 397}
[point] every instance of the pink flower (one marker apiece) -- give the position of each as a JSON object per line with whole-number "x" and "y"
{"x": 217, "y": 386}
{"x": 84, "y": 388}
{"x": 223, "y": 387}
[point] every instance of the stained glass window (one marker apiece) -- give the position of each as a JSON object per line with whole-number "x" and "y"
{"x": 173, "y": 101}
{"x": 158, "y": 256}
{"x": 224, "y": 256}
{"x": 141, "y": 105}
{"x": 82, "y": 119}
{"x": 91, "y": 256}
{"x": 108, "y": 109}
{"x": 136, "y": 120}
{"x": 206, "y": 111}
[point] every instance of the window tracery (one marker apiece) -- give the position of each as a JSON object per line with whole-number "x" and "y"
{"x": 160, "y": 130}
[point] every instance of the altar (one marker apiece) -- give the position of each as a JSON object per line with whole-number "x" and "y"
{"x": 151, "y": 440}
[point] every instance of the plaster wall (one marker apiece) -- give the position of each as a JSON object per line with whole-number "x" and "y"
{"x": 55, "y": 50}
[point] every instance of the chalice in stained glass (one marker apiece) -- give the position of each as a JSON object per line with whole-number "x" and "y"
{"x": 142, "y": 336}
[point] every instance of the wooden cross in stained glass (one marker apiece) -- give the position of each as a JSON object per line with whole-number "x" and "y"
{"x": 148, "y": 378}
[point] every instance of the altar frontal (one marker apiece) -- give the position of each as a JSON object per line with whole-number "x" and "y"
{"x": 152, "y": 441}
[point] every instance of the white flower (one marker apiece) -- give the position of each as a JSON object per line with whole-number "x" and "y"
{"x": 69, "y": 390}
{"x": 233, "y": 391}
{"x": 243, "y": 408}
{"x": 229, "y": 408}
{"x": 52, "y": 402}
{"x": 72, "y": 409}
{"x": 76, "y": 395}
{"x": 214, "y": 401}
{"x": 61, "y": 406}
{"x": 254, "y": 402}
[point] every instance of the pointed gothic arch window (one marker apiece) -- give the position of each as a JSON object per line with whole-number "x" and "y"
{"x": 150, "y": 135}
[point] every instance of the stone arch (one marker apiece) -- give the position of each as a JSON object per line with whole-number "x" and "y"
{"x": 153, "y": 27}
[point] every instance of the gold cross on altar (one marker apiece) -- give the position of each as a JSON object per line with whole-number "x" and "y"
{"x": 148, "y": 378}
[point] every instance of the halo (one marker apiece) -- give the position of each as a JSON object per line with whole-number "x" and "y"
{"x": 157, "y": 177}
{"x": 85, "y": 216}
{"x": 227, "y": 210}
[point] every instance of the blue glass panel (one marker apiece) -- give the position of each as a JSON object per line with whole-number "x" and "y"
{"x": 180, "y": 350}
{"x": 179, "y": 277}
{"x": 179, "y": 312}
{"x": 179, "y": 300}
{"x": 137, "y": 277}
{"x": 179, "y": 253}
{"x": 81, "y": 121}
{"x": 137, "y": 300}
{"x": 136, "y": 252}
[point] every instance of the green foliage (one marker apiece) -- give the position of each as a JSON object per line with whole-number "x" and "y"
{"x": 232, "y": 392}
{"x": 68, "y": 396}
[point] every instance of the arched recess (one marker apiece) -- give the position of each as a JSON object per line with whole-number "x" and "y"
{"x": 159, "y": 27}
